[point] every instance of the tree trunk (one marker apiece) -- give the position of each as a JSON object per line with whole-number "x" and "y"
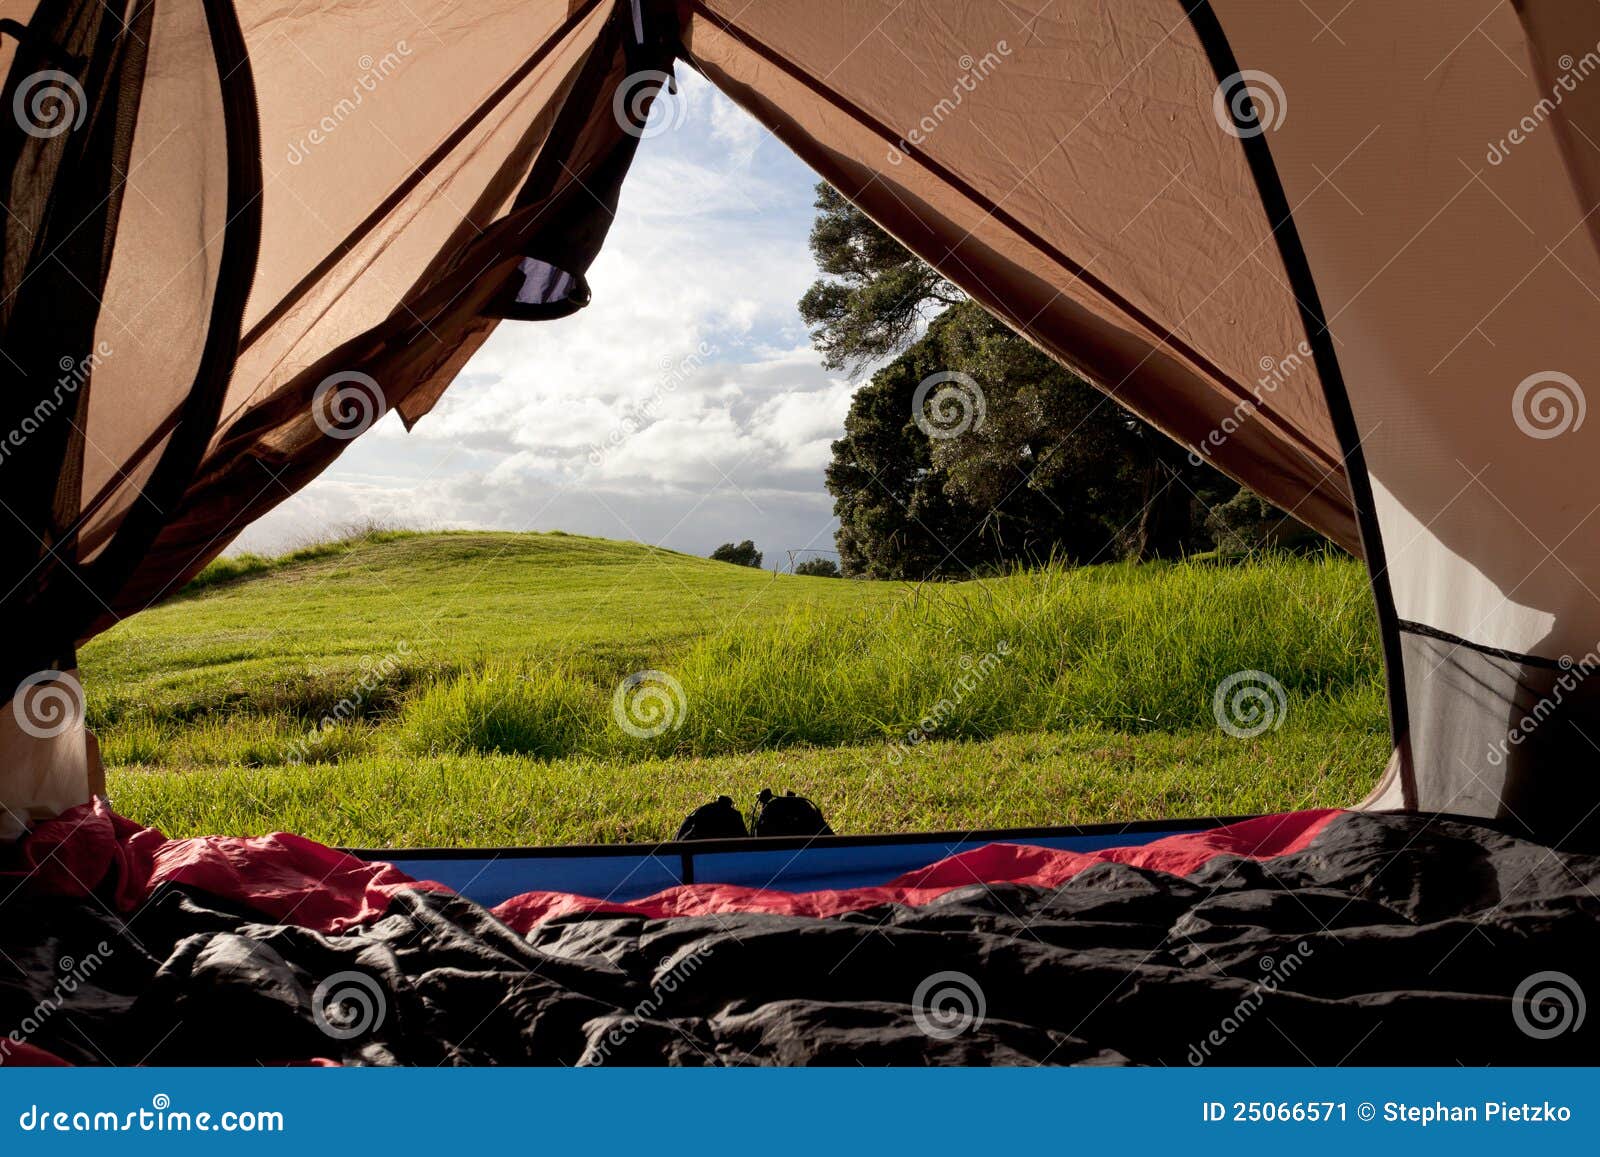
{"x": 1166, "y": 516}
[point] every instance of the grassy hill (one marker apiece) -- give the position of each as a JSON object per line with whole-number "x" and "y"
{"x": 476, "y": 688}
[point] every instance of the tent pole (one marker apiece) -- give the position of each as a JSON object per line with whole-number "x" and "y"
{"x": 1280, "y": 219}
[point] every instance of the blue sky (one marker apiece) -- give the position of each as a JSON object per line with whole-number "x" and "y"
{"x": 684, "y": 407}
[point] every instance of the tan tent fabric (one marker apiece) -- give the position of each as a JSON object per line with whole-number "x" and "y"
{"x": 154, "y": 310}
{"x": 1348, "y": 253}
{"x": 385, "y": 230}
{"x": 1447, "y": 280}
{"x": 1448, "y": 214}
{"x": 126, "y": 133}
{"x": 20, "y": 12}
{"x": 1104, "y": 217}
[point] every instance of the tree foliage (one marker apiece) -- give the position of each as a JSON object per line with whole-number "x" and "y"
{"x": 818, "y": 568}
{"x": 873, "y": 293}
{"x": 1053, "y": 469}
{"x": 1247, "y": 522}
{"x": 738, "y": 553}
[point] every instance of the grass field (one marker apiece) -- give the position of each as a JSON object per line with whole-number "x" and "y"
{"x": 474, "y": 688}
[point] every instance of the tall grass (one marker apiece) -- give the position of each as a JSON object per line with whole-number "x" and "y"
{"x": 1130, "y": 649}
{"x": 1018, "y": 780}
{"x": 314, "y": 698}
{"x": 502, "y": 710}
{"x": 1124, "y": 648}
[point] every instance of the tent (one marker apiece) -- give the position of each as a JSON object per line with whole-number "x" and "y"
{"x": 1347, "y": 254}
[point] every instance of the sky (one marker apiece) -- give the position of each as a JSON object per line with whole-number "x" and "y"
{"x": 684, "y": 407}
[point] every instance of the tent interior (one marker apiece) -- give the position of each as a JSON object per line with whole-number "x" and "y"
{"x": 1156, "y": 193}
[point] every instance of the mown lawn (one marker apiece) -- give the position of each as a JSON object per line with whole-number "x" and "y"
{"x": 473, "y": 688}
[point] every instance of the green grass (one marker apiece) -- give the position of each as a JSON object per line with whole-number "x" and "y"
{"x": 1015, "y": 780}
{"x": 463, "y": 688}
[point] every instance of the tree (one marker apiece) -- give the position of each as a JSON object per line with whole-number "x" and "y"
{"x": 1248, "y": 522}
{"x": 1049, "y": 470}
{"x": 896, "y": 519}
{"x": 1055, "y": 467}
{"x": 873, "y": 294}
{"x": 739, "y": 554}
{"x": 818, "y": 567}
{"x": 1077, "y": 470}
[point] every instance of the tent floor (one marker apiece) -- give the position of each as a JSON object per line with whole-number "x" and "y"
{"x": 791, "y": 864}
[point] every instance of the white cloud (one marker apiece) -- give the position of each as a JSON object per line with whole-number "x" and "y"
{"x": 683, "y": 406}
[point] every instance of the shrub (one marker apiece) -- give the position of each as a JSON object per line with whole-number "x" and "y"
{"x": 500, "y": 709}
{"x": 818, "y": 567}
{"x": 739, "y": 554}
{"x": 1247, "y": 523}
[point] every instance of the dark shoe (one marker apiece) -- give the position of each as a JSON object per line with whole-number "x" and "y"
{"x": 787, "y": 815}
{"x": 717, "y": 820}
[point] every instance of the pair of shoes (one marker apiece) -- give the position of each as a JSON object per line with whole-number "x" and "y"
{"x": 774, "y": 815}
